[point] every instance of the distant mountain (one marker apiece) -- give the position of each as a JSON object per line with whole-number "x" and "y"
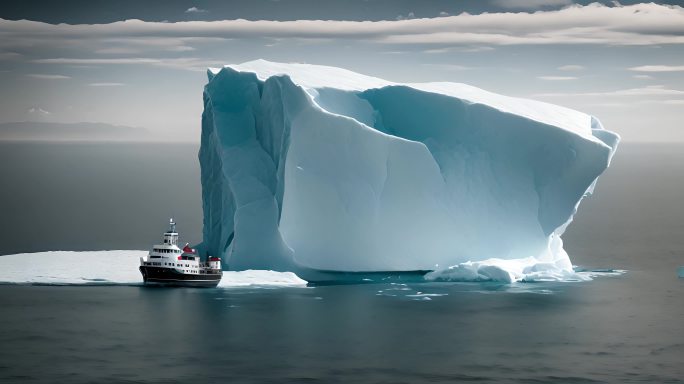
{"x": 29, "y": 130}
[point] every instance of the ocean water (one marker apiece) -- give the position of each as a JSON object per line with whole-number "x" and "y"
{"x": 90, "y": 196}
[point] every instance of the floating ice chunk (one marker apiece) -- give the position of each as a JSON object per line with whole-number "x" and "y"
{"x": 260, "y": 278}
{"x": 517, "y": 270}
{"x": 680, "y": 271}
{"x": 506, "y": 271}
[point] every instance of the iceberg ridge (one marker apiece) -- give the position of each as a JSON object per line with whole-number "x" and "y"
{"x": 310, "y": 169}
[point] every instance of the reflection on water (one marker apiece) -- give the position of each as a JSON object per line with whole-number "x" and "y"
{"x": 610, "y": 329}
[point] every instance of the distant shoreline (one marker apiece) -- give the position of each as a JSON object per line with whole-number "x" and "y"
{"x": 48, "y": 131}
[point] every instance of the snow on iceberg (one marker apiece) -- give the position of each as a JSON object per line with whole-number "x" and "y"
{"x": 310, "y": 169}
{"x": 113, "y": 267}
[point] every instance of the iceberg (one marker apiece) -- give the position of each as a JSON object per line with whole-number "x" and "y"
{"x": 324, "y": 172}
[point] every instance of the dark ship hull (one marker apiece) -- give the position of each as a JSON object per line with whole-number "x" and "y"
{"x": 171, "y": 278}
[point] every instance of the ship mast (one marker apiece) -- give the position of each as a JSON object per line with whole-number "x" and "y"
{"x": 171, "y": 236}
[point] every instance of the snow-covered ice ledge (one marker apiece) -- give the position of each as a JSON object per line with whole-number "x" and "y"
{"x": 309, "y": 168}
{"x": 113, "y": 268}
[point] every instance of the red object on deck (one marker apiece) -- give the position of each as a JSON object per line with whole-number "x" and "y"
{"x": 187, "y": 249}
{"x": 179, "y": 257}
{"x": 214, "y": 259}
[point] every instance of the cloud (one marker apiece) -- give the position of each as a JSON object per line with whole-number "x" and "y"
{"x": 38, "y": 110}
{"x": 531, "y": 4}
{"x": 449, "y": 67}
{"x": 654, "y": 101}
{"x": 9, "y": 56}
{"x": 47, "y": 77}
{"x": 410, "y": 16}
{"x": 658, "y": 68}
{"x": 136, "y": 50}
{"x": 195, "y": 10}
{"x": 142, "y": 45}
{"x": 137, "y": 42}
{"x": 482, "y": 48}
{"x": 189, "y": 63}
{"x": 132, "y": 60}
{"x": 571, "y": 67}
{"x": 593, "y": 24}
{"x": 651, "y": 90}
{"x": 557, "y": 78}
{"x": 643, "y": 77}
{"x": 439, "y": 50}
{"x": 106, "y": 84}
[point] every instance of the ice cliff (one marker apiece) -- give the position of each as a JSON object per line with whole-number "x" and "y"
{"x": 310, "y": 168}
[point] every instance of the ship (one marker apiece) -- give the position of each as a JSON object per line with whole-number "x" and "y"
{"x": 168, "y": 265}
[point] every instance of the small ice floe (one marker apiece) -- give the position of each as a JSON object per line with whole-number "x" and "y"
{"x": 680, "y": 272}
{"x": 425, "y": 296}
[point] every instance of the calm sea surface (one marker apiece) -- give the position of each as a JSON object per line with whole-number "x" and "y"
{"x": 87, "y": 196}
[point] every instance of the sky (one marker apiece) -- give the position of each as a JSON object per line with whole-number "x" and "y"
{"x": 143, "y": 63}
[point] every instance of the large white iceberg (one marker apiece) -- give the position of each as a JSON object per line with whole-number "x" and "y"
{"x": 317, "y": 169}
